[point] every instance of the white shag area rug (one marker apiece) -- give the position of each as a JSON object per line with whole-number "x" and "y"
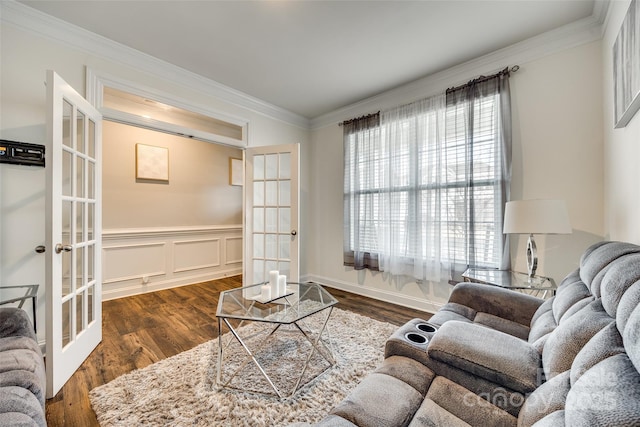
{"x": 181, "y": 390}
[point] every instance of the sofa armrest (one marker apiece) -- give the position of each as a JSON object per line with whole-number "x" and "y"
{"x": 14, "y": 322}
{"x": 500, "y": 302}
{"x": 492, "y": 355}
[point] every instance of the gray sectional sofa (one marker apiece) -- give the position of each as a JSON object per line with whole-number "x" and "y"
{"x": 22, "y": 374}
{"x": 493, "y": 357}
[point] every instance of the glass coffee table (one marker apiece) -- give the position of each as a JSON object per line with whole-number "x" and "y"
{"x": 300, "y": 301}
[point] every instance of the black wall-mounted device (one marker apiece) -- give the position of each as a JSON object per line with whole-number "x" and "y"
{"x": 21, "y": 153}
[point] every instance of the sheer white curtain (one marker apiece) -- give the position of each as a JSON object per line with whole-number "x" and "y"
{"x": 361, "y": 187}
{"x": 411, "y": 207}
{"x": 425, "y": 187}
{"x": 478, "y": 139}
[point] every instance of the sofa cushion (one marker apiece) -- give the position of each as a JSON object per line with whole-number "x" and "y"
{"x": 503, "y": 325}
{"x": 16, "y": 419}
{"x": 619, "y": 278}
{"x": 544, "y": 324}
{"x": 430, "y": 414}
{"x": 14, "y": 322}
{"x": 567, "y": 296}
{"x": 19, "y": 400}
{"x": 409, "y": 371}
{"x": 595, "y": 263}
{"x": 631, "y": 337}
{"x": 579, "y": 305}
{"x": 497, "y": 301}
{"x": 380, "y": 401}
{"x": 21, "y": 364}
{"x": 604, "y": 344}
{"x": 629, "y": 301}
{"x": 570, "y": 336}
{"x": 465, "y": 405}
{"x": 547, "y": 398}
{"x": 554, "y": 419}
{"x": 515, "y": 366}
{"x": 328, "y": 421}
{"x": 544, "y": 308}
{"x": 453, "y": 311}
{"x": 607, "y": 394}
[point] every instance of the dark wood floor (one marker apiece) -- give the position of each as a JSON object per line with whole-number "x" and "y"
{"x": 143, "y": 329}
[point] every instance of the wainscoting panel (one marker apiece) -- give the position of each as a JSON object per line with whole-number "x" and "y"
{"x": 233, "y": 248}
{"x": 196, "y": 254}
{"x": 137, "y": 261}
{"x": 118, "y": 266}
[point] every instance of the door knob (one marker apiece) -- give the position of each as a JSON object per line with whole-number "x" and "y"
{"x": 294, "y": 232}
{"x": 40, "y": 249}
{"x": 60, "y": 247}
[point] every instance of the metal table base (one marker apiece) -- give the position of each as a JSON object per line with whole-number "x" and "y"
{"x": 316, "y": 346}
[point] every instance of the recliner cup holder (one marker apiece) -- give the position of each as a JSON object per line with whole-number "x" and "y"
{"x": 426, "y": 327}
{"x": 416, "y": 338}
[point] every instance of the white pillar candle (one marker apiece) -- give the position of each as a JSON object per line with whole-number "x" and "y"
{"x": 265, "y": 292}
{"x": 282, "y": 285}
{"x": 273, "y": 282}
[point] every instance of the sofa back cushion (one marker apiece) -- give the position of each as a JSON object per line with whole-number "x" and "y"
{"x": 622, "y": 274}
{"x": 597, "y": 260}
{"x": 605, "y": 267}
{"x": 602, "y": 385}
{"x": 570, "y": 337}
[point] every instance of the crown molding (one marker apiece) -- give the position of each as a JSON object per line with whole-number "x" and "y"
{"x": 49, "y": 27}
{"x": 577, "y": 33}
{"x": 580, "y": 32}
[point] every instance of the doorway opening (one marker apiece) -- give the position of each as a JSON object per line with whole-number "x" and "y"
{"x": 184, "y": 228}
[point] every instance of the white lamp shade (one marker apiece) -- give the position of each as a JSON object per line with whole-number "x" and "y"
{"x": 536, "y": 217}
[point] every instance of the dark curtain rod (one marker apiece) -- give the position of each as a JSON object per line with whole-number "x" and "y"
{"x": 481, "y": 79}
{"x": 368, "y": 116}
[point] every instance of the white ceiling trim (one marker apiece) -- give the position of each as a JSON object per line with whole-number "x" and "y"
{"x": 572, "y": 35}
{"x": 37, "y": 22}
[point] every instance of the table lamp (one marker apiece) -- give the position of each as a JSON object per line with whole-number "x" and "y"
{"x": 535, "y": 217}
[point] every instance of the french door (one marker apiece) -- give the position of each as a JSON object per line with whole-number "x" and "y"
{"x": 74, "y": 232}
{"x": 271, "y": 206}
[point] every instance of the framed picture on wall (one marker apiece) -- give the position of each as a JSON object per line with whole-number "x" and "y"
{"x": 152, "y": 163}
{"x": 236, "y": 175}
{"x": 626, "y": 67}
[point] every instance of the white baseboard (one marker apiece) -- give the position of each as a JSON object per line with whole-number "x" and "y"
{"x": 137, "y": 289}
{"x": 381, "y": 295}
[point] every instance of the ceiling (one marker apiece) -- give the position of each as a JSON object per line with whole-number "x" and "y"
{"x": 313, "y": 57}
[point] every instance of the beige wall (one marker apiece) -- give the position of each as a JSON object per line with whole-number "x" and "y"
{"x": 198, "y": 192}
{"x": 621, "y": 150}
{"x": 26, "y": 55}
{"x": 557, "y": 153}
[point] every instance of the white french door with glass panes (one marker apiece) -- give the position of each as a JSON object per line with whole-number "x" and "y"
{"x": 271, "y": 229}
{"x": 73, "y": 227}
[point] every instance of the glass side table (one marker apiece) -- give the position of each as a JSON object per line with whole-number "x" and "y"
{"x": 538, "y": 286}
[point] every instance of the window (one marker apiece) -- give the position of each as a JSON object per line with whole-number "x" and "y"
{"x": 425, "y": 187}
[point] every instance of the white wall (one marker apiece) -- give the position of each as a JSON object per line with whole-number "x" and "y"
{"x": 557, "y": 153}
{"x": 621, "y": 149}
{"x": 29, "y": 48}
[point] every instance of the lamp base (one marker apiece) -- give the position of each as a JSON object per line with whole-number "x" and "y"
{"x": 532, "y": 256}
